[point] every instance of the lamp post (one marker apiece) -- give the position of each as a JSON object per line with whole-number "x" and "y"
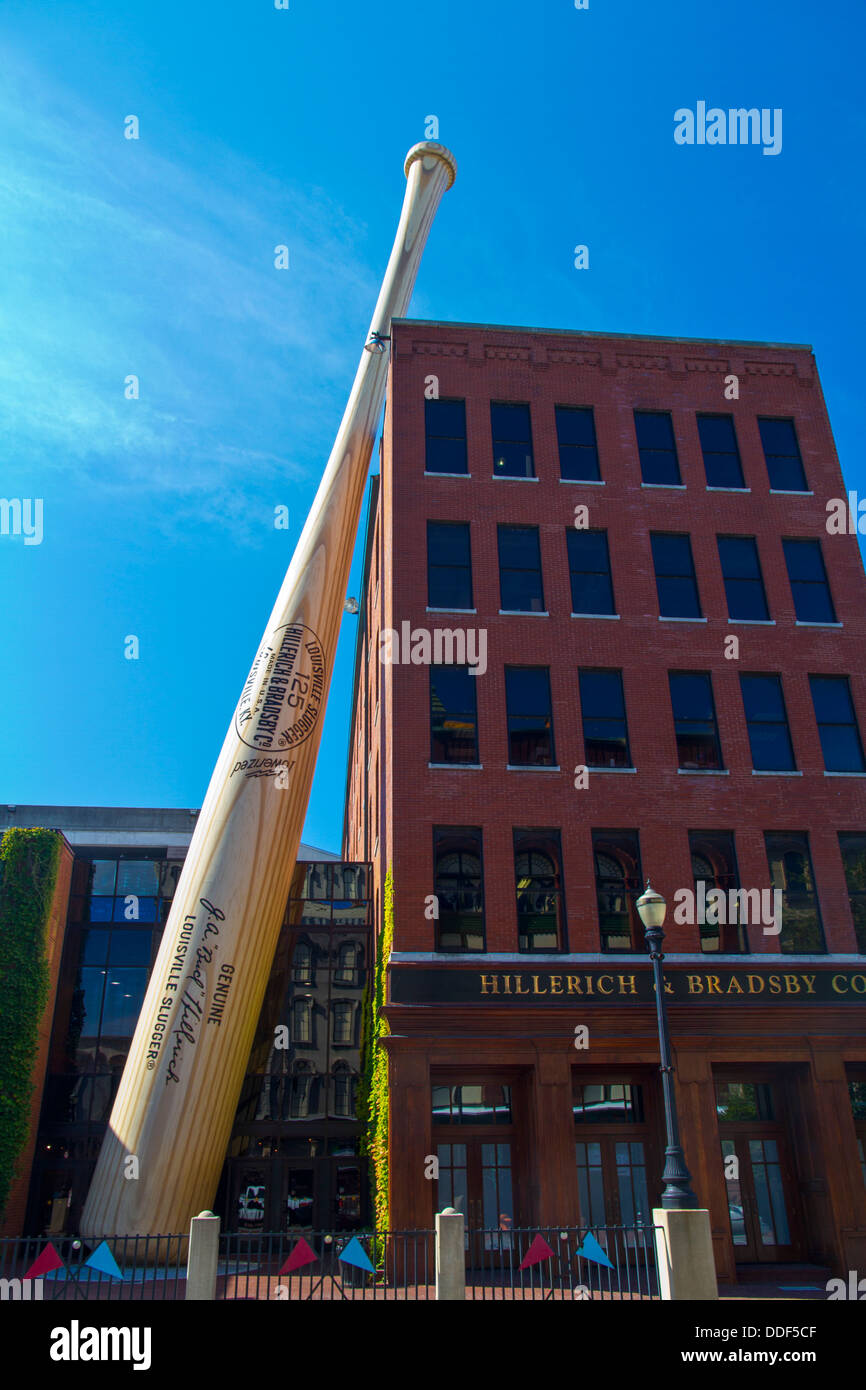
{"x": 676, "y": 1176}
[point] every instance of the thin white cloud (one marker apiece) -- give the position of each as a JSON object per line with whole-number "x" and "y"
{"x": 119, "y": 259}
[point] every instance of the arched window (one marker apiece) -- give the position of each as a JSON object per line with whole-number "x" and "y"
{"x": 345, "y": 1090}
{"x": 302, "y": 1020}
{"x": 302, "y": 964}
{"x": 459, "y": 889}
{"x": 617, "y": 886}
{"x": 347, "y": 963}
{"x": 539, "y": 890}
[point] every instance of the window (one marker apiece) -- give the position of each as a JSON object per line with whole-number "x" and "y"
{"x": 853, "y": 851}
{"x": 453, "y": 715}
{"x": 742, "y": 1100}
{"x": 459, "y": 888}
{"x": 449, "y": 565}
{"x": 694, "y": 711}
{"x": 714, "y": 869}
{"x": 302, "y": 964}
{"x": 520, "y": 586}
{"x": 589, "y": 566}
{"x": 791, "y": 872}
{"x": 837, "y": 724}
{"x": 486, "y": 1104}
{"x": 721, "y": 455}
{"x": 342, "y": 1012}
{"x": 348, "y": 960}
{"x": 810, "y": 591}
{"x": 530, "y": 717}
{"x": 618, "y": 883}
{"x": 675, "y": 576}
{"x": 578, "y": 452}
{"x": 302, "y": 1010}
{"x": 607, "y": 1103}
{"x": 782, "y": 452}
{"x": 538, "y": 880}
{"x": 741, "y": 571}
{"x": 657, "y": 448}
{"x": 512, "y": 441}
{"x": 602, "y": 704}
{"x": 767, "y": 722}
{"x": 445, "y": 431}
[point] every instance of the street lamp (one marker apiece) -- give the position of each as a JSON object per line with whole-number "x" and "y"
{"x": 676, "y": 1176}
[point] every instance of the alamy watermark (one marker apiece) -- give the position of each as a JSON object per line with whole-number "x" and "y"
{"x": 22, "y": 516}
{"x": 751, "y": 907}
{"x": 442, "y": 647}
{"x": 736, "y": 126}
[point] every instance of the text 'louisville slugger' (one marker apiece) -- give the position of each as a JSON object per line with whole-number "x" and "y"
{"x": 180, "y": 1086}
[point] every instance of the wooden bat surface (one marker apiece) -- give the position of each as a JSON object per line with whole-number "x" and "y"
{"x": 180, "y": 1087}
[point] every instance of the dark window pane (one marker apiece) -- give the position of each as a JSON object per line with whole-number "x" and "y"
{"x": 131, "y": 948}
{"x": 767, "y": 723}
{"x": 741, "y": 571}
{"x": 675, "y": 576}
{"x": 837, "y": 725}
{"x": 520, "y": 569}
{"x": 589, "y": 567}
{"x": 459, "y": 887}
{"x": 678, "y": 598}
{"x": 672, "y": 554}
{"x": 618, "y": 882}
{"x": 538, "y": 879}
{"x": 721, "y": 454}
{"x": 695, "y": 727}
{"x": 94, "y": 950}
{"x": 449, "y": 572}
{"x": 453, "y": 720}
{"x": 578, "y": 453}
{"x": 530, "y": 719}
{"x": 782, "y": 453}
{"x": 445, "y": 426}
{"x": 448, "y": 543}
{"x": 512, "y": 441}
{"x": 657, "y": 449}
{"x": 604, "y": 724}
{"x": 853, "y": 850}
{"x": 809, "y": 588}
{"x": 791, "y": 873}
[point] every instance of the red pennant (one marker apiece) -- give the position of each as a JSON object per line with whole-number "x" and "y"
{"x": 44, "y": 1263}
{"x": 300, "y": 1256}
{"x": 539, "y": 1250}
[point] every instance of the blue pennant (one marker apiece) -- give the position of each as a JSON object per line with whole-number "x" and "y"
{"x": 591, "y": 1250}
{"x": 354, "y": 1254}
{"x": 103, "y": 1261}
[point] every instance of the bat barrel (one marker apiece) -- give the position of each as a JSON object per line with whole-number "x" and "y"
{"x": 178, "y": 1095}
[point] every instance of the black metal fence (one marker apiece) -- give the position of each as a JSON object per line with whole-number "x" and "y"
{"x": 324, "y": 1265}
{"x": 562, "y": 1262}
{"x": 119, "y": 1268}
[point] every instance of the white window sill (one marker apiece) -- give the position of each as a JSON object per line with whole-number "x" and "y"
{"x": 458, "y": 767}
{"x": 791, "y": 492}
{"x": 728, "y": 489}
{"x": 584, "y": 482}
{"x": 798, "y": 623}
{"x": 746, "y": 622}
{"x": 672, "y": 487}
{"x": 451, "y": 610}
{"x": 513, "y": 478}
{"x": 666, "y": 619}
{"x": 704, "y": 771}
{"x": 530, "y": 767}
{"x": 610, "y": 617}
{"x": 522, "y": 613}
{"x": 757, "y": 773}
{"x": 590, "y": 768}
{"x": 845, "y": 774}
{"x": 433, "y": 474}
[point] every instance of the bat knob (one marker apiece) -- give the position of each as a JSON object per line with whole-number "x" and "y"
{"x": 431, "y": 149}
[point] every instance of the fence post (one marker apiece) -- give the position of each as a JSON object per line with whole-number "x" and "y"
{"x": 684, "y": 1254}
{"x": 450, "y": 1256}
{"x": 201, "y": 1265}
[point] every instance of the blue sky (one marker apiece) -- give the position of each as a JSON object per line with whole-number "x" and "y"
{"x": 261, "y": 127}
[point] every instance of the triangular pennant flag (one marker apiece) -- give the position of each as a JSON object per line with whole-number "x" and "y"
{"x": 539, "y": 1250}
{"x": 591, "y": 1250}
{"x": 355, "y": 1254}
{"x": 300, "y": 1256}
{"x": 44, "y": 1263}
{"x": 103, "y": 1261}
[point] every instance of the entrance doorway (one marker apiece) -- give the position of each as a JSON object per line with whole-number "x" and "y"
{"x": 759, "y": 1176}
{"x": 474, "y": 1144}
{"x": 617, "y": 1161}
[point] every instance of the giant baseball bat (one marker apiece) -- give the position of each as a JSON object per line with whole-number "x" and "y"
{"x": 177, "y": 1098}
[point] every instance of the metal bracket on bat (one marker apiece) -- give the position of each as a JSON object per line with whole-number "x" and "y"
{"x": 377, "y": 342}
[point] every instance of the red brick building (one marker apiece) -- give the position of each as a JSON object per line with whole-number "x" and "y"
{"x": 673, "y": 685}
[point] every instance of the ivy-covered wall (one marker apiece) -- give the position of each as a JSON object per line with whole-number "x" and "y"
{"x": 29, "y": 861}
{"x": 373, "y": 1088}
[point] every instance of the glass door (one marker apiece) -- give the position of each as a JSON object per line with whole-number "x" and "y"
{"x": 475, "y": 1177}
{"x": 759, "y": 1175}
